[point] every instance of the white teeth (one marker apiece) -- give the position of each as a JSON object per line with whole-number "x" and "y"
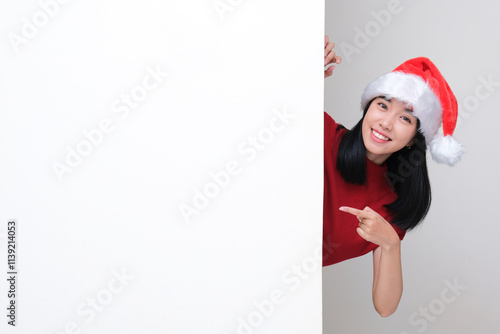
{"x": 379, "y": 136}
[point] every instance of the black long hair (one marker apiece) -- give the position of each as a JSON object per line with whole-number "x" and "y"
{"x": 406, "y": 173}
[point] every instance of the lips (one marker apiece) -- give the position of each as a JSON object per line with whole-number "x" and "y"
{"x": 379, "y": 137}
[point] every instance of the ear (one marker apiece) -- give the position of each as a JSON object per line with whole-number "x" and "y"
{"x": 410, "y": 143}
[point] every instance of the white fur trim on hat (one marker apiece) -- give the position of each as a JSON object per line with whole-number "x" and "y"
{"x": 415, "y": 91}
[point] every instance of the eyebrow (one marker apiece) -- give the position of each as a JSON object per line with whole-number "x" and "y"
{"x": 390, "y": 100}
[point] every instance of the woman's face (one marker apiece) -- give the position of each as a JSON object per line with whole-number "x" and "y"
{"x": 388, "y": 126}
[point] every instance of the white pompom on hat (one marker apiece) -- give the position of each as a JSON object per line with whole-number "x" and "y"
{"x": 419, "y": 83}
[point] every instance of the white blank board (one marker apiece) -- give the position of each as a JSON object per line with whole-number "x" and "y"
{"x": 161, "y": 162}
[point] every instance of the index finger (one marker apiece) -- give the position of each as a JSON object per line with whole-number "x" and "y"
{"x": 326, "y": 40}
{"x": 352, "y": 211}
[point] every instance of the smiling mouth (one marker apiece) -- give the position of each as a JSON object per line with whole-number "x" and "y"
{"x": 379, "y": 136}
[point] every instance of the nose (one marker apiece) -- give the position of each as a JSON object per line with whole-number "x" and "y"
{"x": 387, "y": 122}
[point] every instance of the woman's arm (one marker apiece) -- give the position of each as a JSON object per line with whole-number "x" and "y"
{"x": 387, "y": 273}
{"x": 387, "y": 279}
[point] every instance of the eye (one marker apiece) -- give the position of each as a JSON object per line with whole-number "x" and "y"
{"x": 382, "y": 105}
{"x": 406, "y": 119}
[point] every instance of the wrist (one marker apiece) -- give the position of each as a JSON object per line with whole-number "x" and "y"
{"x": 393, "y": 246}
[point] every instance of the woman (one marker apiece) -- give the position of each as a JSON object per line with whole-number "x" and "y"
{"x": 376, "y": 182}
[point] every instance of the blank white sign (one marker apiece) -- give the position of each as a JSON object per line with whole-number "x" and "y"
{"x": 161, "y": 166}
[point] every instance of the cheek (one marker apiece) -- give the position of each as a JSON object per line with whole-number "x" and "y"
{"x": 365, "y": 131}
{"x": 409, "y": 134}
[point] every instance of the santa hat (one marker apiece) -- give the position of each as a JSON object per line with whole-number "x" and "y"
{"x": 419, "y": 83}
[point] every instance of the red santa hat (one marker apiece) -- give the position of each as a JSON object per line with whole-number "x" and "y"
{"x": 419, "y": 83}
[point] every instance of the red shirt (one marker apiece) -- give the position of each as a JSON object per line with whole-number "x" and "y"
{"x": 340, "y": 239}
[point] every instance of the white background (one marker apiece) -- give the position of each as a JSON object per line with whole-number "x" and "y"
{"x": 104, "y": 248}
{"x": 458, "y": 241}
